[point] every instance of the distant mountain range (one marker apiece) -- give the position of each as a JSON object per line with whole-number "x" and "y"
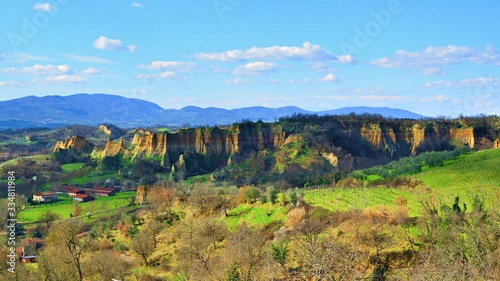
{"x": 95, "y": 109}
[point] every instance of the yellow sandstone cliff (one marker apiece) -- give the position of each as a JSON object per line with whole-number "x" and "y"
{"x": 218, "y": 147}
{"x": 462, "y": 136}
{"x": 414, "y": 135}
{"x": 113, "y": 148}
{"x": 79, "y": 144}
{"x": 211, "y": 142}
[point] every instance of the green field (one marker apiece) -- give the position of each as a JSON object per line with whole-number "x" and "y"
{"x": 36, "y": 158}
{"x": 343, "y": 199}
{"x": 256, "y": 214}
{"x": 87, "y": 179}
{"x": 66, "y": 206}
{"x": 467, "y": 176}
{"x": 68, "y": 168}
{"x": 471, "y": 174}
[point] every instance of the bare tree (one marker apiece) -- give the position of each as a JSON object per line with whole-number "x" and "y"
{"x": 197, "y": 255}
{"x": 226, "y": 197}
{"x": 153, "y": 230}
{"x": 108, "y": 265}
{"x": 215, "y": 231}
{"x": 206, "y": 198}
{"x": 64, "y": 248}
{"x": 161, "y": 200}
{"x": 143, "y": 246}
{"x": 4, "y": 206}
{"x": 244, "y": 249}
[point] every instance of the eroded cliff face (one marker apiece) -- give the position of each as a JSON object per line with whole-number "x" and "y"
{"x": 216, "y": 144}
{"x": 113, "y": 148}
{"x": 202, "y": 150}
{"x": 331, "y": 158}
{"x": 141, "y": 196}
{"x": 105, "y": 130}
{"x": 77, "y": 143}
{"x": 373, "y": 134}
{"x": 413, "y": 134}
{"x": 463, "y": 136}
{"x": 149, "y": 144}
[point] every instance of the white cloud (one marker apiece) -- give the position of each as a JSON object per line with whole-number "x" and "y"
{"x": 430, "y": 59}
{"x": 25, "y": 57}
{"x": 439, "y": 84}
{"x": 308, "y": 51}
{"x": 143, "y": 76}
{"x": 132, "y": 48}
{"x": 217, "y": 69}
{"x": 166, "y": 69}
{"x": 10, "y": 84}
{"x": 382, "y": 98}
{"x": 89, "y": 59}
{"x": 300, "y": 81}
{"x": 169, "y": 75}
{"x": 107, "y": 44}
{"x": 336, "y": 98}
{"x": 39, "y": 69}
{"x": 328, "y": 78}
{"x": 164, "y": 75}
{"x": 239, "y": 81}
{"x": 46, "y": 7}
{"x": 428, "y": 71}
{"x": 2, "y": 56}
{"x": 321, "y": 67}
{"x": 169, "y": 65}
{"x": 61, "y": 79}
{"x": 256, "y": 68}
{"x": 346, "y": 59}
{"x": 91, "y": 71}
{"x": 137, "y": 5}
{"x": 474, "y": 82}
{"x": 438, "y": 98}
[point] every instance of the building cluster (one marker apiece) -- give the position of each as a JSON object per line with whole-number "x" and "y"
{"x": 78, "y": 194}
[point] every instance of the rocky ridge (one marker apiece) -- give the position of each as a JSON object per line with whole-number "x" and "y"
{"x": 205, "y": 149}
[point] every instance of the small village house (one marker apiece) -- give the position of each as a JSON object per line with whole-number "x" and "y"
{"x": 73, "y": 192}
{"x": 28, "y": 249}
{"x": 83, "y": 198}
{"x": 45, "y": 197}
{"x": 104, "y": 191}
{"x": 65, "y": 189}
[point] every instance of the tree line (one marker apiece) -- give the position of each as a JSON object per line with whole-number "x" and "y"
{"x": 409, "y": 165}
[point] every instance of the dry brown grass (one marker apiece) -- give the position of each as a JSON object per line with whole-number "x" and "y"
{"x": 385, "y": 214}
{"x": 295, "y": 217}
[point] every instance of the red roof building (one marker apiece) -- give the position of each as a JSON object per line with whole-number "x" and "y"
{"x": 104, "y": 191}
{"x": 74, "y": 192}
{"x": 83, "y": 198}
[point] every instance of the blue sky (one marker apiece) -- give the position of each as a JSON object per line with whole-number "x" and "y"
{"x": 433, "y": 58}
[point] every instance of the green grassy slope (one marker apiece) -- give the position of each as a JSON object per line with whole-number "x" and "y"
{"x": 67, "y": 205}
{"x": 256, "y": 214}
{"x": 343, "y": 199}
{"x": 36, "y": 158}
{"x": 467, "y": 176}
{"x": 471, "y": 174}
{"x": 68, "y": 168}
